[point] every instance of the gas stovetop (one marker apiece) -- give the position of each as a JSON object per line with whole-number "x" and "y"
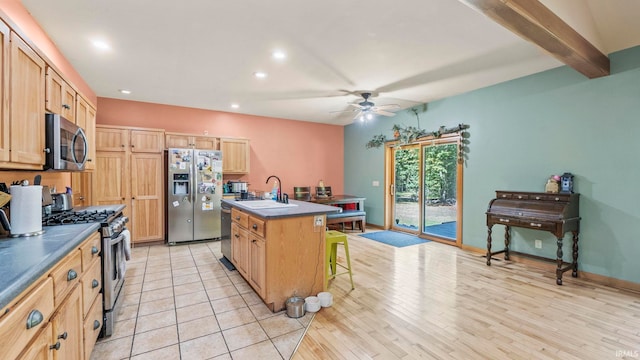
{"x": 77, "y": 217}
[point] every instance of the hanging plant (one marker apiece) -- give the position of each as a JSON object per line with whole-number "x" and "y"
{"x": 411, "y": 134}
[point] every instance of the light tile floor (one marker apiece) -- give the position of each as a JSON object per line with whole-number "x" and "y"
{"x": 180, "y": 302}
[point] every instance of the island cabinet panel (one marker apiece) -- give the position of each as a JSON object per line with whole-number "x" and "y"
{"x": 294, "y": 262}
{"x": 278, "y": 257}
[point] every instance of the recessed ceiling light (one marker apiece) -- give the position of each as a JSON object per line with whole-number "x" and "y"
{"x": 260, "y": 74}
{"x": 100, "y": 45}
{"x": 279, "y": 55}
{"x": 235, "y": 106}
{"x": 125, "y": 91}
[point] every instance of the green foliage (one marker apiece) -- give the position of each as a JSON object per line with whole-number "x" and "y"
{"x": 440, "y": 172}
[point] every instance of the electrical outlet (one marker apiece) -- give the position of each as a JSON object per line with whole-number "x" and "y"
{"x": 375, "y": 183}
{"x": 538, "y": 244}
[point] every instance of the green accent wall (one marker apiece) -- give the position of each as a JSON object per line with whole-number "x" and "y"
{"x": 521, "y": 132}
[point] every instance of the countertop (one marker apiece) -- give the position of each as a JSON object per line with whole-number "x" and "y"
{"x": 303, "y": 208}
{"x": 24, "y": 260}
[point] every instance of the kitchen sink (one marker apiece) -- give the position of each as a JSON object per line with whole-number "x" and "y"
{"x": 265, "y": 204}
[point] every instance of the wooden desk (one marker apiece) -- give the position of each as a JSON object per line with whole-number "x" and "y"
{"x": 556, "y": 213}
{"x": 352, "y": 216}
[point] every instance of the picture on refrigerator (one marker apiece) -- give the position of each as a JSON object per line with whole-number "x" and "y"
{"x": 194, "y": 195}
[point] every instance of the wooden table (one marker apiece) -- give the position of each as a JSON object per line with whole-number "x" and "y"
{"x": 348, "y": 215}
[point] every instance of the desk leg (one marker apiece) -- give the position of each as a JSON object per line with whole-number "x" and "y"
{"x": 559, "y": 256}
{"x": 507, "y": 241}
{"x": 488, "y": 245}
{"x": 574, "y": 273}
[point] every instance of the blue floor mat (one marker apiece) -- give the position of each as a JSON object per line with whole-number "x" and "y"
{"x": 394, "y": 238}
{"x": 447, "y": 229}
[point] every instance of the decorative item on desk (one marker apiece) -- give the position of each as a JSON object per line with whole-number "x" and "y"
{"x": 552, "y": 184}
{"x": 566, "y": 183}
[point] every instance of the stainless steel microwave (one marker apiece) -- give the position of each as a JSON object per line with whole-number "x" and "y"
{"x": 66, "y": 144}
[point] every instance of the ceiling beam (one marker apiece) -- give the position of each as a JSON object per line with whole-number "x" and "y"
{"x": 536, "y": 23}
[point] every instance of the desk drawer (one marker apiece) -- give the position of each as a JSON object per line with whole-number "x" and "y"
{"x": 239, "y": 217}
{"x": 538, "y": 225}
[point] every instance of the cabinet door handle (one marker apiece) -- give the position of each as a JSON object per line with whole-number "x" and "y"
{"x": 236, "y": 235}
{"x": 238, "y": 218}
{"x": 255, "y": 226}
{"x": 254, "y": 240}
{"x": 71, "y": 275}
{"x": 55, "y": 346}
{"x": 63, "y": 336}
{"x": 94, "y": 250}
{"x": 47, "y": 150}
{"x": 96, "y": 324}
{"x": 94, "y": 284}
{"x": 504, "y": 220}
{"x": 34, "y": 319}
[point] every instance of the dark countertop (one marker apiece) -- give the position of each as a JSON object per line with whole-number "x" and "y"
{"x": 303, "y": 208}
{"x": 24, "y": 260}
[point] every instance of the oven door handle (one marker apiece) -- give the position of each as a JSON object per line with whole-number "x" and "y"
{"x": 118, "y": 239}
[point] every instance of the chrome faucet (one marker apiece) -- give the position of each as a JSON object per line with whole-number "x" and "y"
{"x": 279, "y": 196}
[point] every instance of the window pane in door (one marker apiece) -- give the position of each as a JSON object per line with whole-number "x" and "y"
{"x": 440, "y": 192}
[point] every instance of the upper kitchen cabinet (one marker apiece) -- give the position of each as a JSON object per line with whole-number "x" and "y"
{"x": 235, "y": 155}
{"x": 4, "y": 92}
{"x": 26, "y": 119}
{"x": 147, "y": 141}
{"x": 112, "y": 139}
{"x": 86, "y": 119}
{"x": 191, "y": 141}
{"x": 60, "y": 97}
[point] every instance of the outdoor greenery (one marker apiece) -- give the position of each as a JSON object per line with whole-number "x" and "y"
{"x": 440, "y": 173}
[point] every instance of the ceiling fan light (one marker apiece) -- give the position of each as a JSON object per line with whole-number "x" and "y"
{"x": 369, "y": 116}
{"x": 361, "y": 118}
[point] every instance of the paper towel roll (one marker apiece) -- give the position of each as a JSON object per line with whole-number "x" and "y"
{"x": 26, "y": 210}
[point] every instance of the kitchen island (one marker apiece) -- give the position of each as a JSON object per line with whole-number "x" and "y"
{"x": 279, "y": 248}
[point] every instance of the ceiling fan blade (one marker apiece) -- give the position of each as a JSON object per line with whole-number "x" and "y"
{"x": 385, "y": 113}
{"x": 357, "y": 115}
{"x": 388, "y": 107}
{"x": 343, "y": 111}
{"x": 356, "y": 106}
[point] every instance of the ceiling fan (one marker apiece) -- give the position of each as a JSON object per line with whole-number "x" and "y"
{"x": 366, "y": 109}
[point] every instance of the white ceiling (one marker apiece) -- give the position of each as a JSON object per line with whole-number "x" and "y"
{"x": 203, "y": 53}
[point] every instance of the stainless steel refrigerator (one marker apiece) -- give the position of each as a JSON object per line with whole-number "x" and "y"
{"x": 194, "y": 194}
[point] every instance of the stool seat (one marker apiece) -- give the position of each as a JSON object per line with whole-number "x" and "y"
{"x": 332, "y": 239}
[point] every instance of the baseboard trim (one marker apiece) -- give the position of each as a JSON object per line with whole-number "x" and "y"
{"x": 549, "y": 264}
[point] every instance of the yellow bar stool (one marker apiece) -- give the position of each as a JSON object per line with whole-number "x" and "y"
{"x": 332, "y": 239}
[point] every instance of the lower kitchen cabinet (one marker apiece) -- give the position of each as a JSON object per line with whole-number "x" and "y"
{"x": 39, "y": 327}
{"x": 278, "y": 257}
{"x": 68, "y": 326}
{"x": 240, "y": 248}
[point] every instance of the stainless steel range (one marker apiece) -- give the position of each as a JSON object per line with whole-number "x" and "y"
{"x": 114, "y": 266}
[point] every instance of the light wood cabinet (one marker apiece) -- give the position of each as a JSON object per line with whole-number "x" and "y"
{"x": 129, "y": 170}
{"x": 47, "y": 321}
{"x": 248, "y": 252}
{"x": 147, "y": 194}
{"x": 235, "y": 155}
{"x": 27, "y": 78}
{"x": 281, "y": 256}
{"x": 240, "y": 248}
{"x": 192, "y": 141}
{"x": 60, "y": 97}
{"x": 81, "y": 185}
{"x": 4, "y": 91}
{"x": 68, "y": 327}
{"x": 86, "y": 119}
{"x": 41, "y": 348}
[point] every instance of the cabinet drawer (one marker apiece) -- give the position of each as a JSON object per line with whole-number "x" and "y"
{"x": 90, "y": 250}
{"x": 34, "y": 309}
{"x": 239, "y": 217}
{"x": 539, "y": 225}
{"x": 92, "y": 326}
{"x": 256, "y": 226}
{"x": 91, "y": 285}
{"x": 504, "y": 220}
{"x": 66, "y": 275}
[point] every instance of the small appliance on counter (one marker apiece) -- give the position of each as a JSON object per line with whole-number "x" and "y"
{"x": 26, "y": 210}
{"x": 61, "y": 202}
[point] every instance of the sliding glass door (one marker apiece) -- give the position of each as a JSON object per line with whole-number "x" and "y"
{"x": 406, "y": 188}
{"x": 424, "y": 189}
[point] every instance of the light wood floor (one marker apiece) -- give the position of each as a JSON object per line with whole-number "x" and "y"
{"x": 434, "y": 301}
